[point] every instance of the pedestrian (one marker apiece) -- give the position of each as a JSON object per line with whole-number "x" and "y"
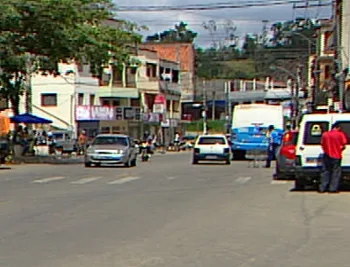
{"x": 82, "y": 142}
{"x": 333, "y": 143}
{"x": 274, "y": 140}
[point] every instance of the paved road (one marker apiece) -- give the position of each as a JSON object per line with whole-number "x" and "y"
{"x": 166, "y": 213}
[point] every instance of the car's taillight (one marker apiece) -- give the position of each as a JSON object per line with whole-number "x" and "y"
{"x": 298, "y": 160}
{"x": 288, "y": 151}
{"x": 226, "y": 150}
{"x": 196, "y": 150}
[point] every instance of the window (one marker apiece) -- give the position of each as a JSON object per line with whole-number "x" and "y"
{"x": 105, "y": 103}
{"x": 49, "y": 100}
{"x": 313, "y": 132}
{"x": 92, "y": 100}
{"x": 345, "y": 127}
{"x": 116, "y": 103}
{"x": 80, "y": 99}
{"x": 105, "y": 130}
{"x": 211, "y": 140}
{"x": 175, "y": 76}
{"x": 110, "y": 140}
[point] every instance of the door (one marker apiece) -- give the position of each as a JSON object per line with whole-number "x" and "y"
{"x": 310, "y": 146}
{"x": 345, "y": 127}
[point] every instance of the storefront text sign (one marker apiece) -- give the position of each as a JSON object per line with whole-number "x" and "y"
{"x": 86, "y": 113}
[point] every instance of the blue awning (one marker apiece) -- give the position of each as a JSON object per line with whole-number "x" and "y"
{"x": 29, "y": 118}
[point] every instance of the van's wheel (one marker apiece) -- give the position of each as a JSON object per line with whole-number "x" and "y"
{"x": 194, "y": 161}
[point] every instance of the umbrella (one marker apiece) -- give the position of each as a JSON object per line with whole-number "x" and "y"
{"x": 28, "y": 118}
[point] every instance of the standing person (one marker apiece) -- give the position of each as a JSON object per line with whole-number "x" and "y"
{"x": 82, "y": 140}
{"x": 274, "y": 140}
{"x": 333, "y": 143}
{"x": 177, "y": 141}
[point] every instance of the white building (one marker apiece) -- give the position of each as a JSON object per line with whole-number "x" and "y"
{"x": 55, "y": 98}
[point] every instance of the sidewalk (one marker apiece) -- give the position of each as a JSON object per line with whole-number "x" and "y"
{"x": 54, "y": 159}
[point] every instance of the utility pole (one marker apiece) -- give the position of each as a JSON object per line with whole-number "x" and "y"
{"x": 213, "y": 106}
{"x": 204, "y": 112}
{"x": 297, "y": 104}
{"x": 227, "y": 106}
{"x": 339, "y": 61}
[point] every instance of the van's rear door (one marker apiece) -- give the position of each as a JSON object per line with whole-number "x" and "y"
{"x": 310, "y": 146}
{"x": 345, "y": 127}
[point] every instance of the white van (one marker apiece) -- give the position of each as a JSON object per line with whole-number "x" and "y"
{"x": 308, "y": 149}
{"x": 249, "y": 126}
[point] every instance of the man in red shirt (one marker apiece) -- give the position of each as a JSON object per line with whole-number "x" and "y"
{"x": 333, "y": 143}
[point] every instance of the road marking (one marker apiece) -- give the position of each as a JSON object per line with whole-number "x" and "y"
{"x": 125, "y": 180}
{"x": 279, "y": 182}
{"x": 86, "y": 180}
{"x": 243, "y": 180}
{"x": 172, "y": 178}
{"x": 49, "y": 179}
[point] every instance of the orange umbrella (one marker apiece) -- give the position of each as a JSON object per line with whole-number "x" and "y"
{"x": 4, "y": 125}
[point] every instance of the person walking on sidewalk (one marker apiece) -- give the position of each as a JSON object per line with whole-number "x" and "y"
{"x": 333, "y": 143}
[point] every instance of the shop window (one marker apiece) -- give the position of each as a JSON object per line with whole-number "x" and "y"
{"x": 105, "y": 103}
{"x": 116, "y": 103}
{"x": 116, "y": 129}
{"x": 105, "y": 130}
{"x": 49, "y": 100}
{"x": 135, "y": 102}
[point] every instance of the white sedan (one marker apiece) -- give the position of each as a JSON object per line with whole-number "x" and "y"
{"x": 211, "y": 148}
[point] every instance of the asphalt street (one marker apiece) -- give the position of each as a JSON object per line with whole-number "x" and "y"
{"x": 167, "y": 213}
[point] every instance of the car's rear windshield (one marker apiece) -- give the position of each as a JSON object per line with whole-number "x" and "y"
{"x": 211, "y": 140}
{"x": 110, "y": 140}
{"x": 313, "y": 132}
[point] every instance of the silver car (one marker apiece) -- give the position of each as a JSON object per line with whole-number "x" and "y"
{"x": 111, "y": 149}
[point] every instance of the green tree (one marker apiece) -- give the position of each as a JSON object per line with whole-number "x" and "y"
{"x": 36, "y": 35}
{"x": 180, "y": 34}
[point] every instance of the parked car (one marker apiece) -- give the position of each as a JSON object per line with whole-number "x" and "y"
{"x": 111, "y": 149}
{"x": 285, "y": 156}
{"x": 64, "y": 142}
{"x": 309, "y": 152}
{"x": 211, "y": 148}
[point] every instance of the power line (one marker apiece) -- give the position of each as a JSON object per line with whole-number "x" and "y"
{"x": 213, "y": 6}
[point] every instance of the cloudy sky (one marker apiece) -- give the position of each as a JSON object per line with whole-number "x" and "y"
{"x": 247, "y": 20}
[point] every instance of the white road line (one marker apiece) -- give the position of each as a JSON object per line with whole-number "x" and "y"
{"x": 279, "y": 182}
{"x": 86, "y": 180}
{"x": 172, "y": 178}
{"x": 243, "y": 180}
{"x": 49, "y": 179}
{"x": 124, "y": 180}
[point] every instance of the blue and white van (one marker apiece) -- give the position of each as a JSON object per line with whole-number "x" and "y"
{"x": 249, "y": 127}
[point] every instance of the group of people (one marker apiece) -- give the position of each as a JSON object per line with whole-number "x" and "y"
{"x": 333, "y": 143}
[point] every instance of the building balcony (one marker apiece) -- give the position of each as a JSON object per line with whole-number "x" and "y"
{"x": 117, "y": 92}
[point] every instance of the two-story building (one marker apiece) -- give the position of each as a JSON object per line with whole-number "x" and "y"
{"x": 56, "y": 97}
{"x": 159, "y": 85}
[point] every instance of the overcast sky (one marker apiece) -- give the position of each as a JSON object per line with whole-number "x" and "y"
{"x": 247, "y": 20}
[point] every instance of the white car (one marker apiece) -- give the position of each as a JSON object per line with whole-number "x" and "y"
{"x": 211, "y": 148}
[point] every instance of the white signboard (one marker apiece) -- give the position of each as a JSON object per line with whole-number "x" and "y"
{"x": 87, "y": 113}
